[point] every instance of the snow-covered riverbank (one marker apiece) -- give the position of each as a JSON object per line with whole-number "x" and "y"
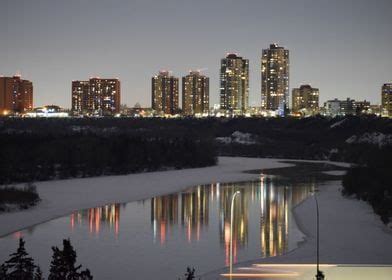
{"x": 63, "y": 197}
{"x": 350, "y": 232}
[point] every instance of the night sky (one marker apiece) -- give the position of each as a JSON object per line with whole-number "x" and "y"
{"x": 343, "y": 47}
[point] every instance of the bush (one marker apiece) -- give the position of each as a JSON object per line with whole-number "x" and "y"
{"x": 23, "y": 197}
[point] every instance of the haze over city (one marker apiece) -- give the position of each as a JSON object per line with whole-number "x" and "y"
{"x": 184, "y": 139}
{"x": 340, "y": 47}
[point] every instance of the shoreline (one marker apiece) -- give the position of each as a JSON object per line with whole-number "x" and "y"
{"x": 62, "y": 197}
{"x": 350, "y": 232}
{"x": 364, "y": 239}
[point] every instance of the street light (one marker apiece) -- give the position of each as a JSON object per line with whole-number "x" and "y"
{"x": 231, "y": 230}
{"x": 319, "y": 274}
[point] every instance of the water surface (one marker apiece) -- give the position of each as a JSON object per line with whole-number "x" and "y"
{"x": 161, "y": 236}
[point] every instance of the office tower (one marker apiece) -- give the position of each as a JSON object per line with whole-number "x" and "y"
{"x": 195, "y": 94}
{"x": 234, "y": 84}
{"x": 305, "y": 100}
{"x": 164, "y": 93}
{"x": 386, "y": 100}
{"x": 16, "y": 95}
{"x": 275, "y": 79}
{"x": 96, "y": 96}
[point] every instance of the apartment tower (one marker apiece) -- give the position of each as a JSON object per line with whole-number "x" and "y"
{"x": 275, "y": 79}
{"x": 234, "y": 84}
{"x": 96, "y": 96}
{"x": 164, "y": 93}
{"x": 16, "y": 95}
{"x": 386, "y": 100}
{"x": 305, "y": 100}
{"x": 195, "y": 94}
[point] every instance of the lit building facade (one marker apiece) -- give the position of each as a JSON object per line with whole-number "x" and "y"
{"x": 16, "y": 95}
{"x": 96, "y": 96}
{"x": 195, "y": 94}
{"x": 362, "y": 107}
{"x": 80, "y": 97}
{"x": 164, "y": 93}
{"x": 305, "y": 100}
{"x": 386, "y": 100}
{"x": 234, "y": 84}
{"x": 347, "y": 107}
{"x": 275, "y": 66}
{"x": 344, "y": 107}
{"x": 332, "y": 107}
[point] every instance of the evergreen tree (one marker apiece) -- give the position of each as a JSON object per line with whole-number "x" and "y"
{"x": 20, "y": 266}
{"x": 3, "y": 272}
{"x": 190, "y": 273}
{"x": 86, "y": 275}
{"x": 63, "y": 264}
{"x": 57, "y": 269}
{"x": 38, "y": 274}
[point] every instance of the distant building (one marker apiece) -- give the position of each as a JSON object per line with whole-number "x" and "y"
{"x": 386, "y": 100}
{"x": 195, "y": 94}
{"x": 234, "y": 84}
{"x": 305, "y": 100}
{"x": 137, "y": 111}
{"x": 16, "y": 95}
{"x": 48, "y": 111}
{"x": 81, "y": 101}
{"x": 275, "y": 65}
{"x": 345, "y": 107}
{"x": 362, "y": 107}
{"x": 375, "y": 109}
{"x": 96, "y": 97}
{"x": 332, "y": 107}
{"x": 164, "y": 93}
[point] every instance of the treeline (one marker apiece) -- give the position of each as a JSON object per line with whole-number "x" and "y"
{"x": 371, "y": 180}
{"x": 36, "y": 156}
{"x": 20, "y": 266}
{"x": 42, "y": 149}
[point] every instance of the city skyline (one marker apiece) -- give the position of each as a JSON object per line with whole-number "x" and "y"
{"x": 332, "y": 44}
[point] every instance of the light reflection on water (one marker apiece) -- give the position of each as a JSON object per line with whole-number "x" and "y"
{"x": 166, "y": 234}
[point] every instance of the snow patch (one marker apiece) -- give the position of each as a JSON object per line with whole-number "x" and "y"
{"x": 337, "y": 124}
{"x": 375, "y": 138}
{"x": 237, "y": 137}
{"x": 335, "y": 172}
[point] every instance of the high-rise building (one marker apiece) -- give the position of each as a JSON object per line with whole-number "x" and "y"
{"x": 105, "y": 95}
{"x": 164, "y": 93}
{"x": 275, "y": 79}
{"x": 80, "y": 97}
{"x": 386, "y": 100}
{"x": 96, "y": 96}
{"x": 16, "y": 95}
{"x": 305, "y": 100}
{"x": 234, "y": 84}
{"x": 195, "y": 94}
